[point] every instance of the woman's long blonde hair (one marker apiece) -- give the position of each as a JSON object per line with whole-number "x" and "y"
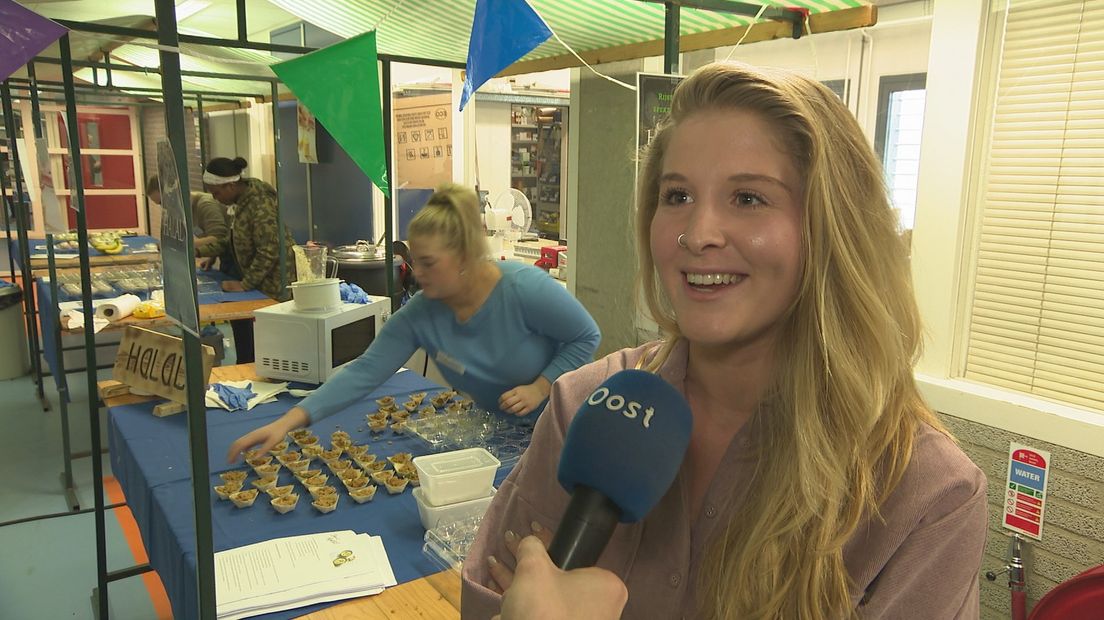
{"x": 838, "y": 432}
{"x": 452, "y": 212}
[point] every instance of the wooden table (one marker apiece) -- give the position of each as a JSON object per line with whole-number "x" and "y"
{"x": 433, "y": 597}
{"x": 208, "y": 313}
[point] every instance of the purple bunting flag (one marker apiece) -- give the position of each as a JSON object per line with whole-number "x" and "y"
{"x": 23, "y": 34}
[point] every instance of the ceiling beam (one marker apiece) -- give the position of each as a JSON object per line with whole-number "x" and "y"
{"x": 149, "y": 25}
{"x": 831, "y": 21}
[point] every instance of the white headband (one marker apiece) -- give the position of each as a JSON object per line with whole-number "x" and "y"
{"x": 214, "y": 179}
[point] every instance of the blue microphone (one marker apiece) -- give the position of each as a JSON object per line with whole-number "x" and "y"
{"x": 621, "y": 454}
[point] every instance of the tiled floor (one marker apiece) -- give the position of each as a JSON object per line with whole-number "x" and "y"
{"x": 48, "y": 566}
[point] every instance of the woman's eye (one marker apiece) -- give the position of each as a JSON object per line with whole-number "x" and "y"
{"x": 749, "y": 199}
{"x": 676, "y": 196}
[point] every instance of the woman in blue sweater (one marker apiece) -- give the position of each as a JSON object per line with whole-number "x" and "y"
{"x": 501, "y": 332}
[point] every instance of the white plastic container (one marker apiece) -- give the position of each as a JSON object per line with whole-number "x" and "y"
{"x": 316, "y": 295}
{"x": 457, "y": 476}
{"x": 434, "y": 516}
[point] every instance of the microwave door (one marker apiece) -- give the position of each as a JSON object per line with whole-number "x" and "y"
{"x": 347, "y": 342}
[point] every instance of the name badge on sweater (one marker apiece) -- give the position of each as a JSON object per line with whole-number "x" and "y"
{"x": 446, "y": 360}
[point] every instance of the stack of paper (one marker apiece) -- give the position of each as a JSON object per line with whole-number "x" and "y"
{"x": 291, "y": 572}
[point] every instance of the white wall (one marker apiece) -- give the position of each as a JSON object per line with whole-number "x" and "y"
{"x": 898, "y": 44}
{"x": 556, "y": 80}
{"x": 492, "y": 135}
{"x": 227, "y": 134}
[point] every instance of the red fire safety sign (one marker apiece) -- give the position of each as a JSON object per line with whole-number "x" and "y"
{"x": 1025, "y": 491}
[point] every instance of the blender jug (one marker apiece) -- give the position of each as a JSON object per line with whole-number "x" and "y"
{"x": 311, "y": 262}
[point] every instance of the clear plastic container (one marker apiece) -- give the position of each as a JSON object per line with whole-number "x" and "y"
{"x": 457, "y": 476}
{"x": 436, "y": 516}
{"x": 448, "y": 544}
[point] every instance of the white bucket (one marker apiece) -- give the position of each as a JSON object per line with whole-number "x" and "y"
{"x": 316, "y": 295}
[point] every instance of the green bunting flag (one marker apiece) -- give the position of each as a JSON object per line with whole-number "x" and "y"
{"x": 339, "y": 84}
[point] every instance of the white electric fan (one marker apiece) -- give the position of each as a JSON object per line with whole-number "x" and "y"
{"x": 509, "y": 215}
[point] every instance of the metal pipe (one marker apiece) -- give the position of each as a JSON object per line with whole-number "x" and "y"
{"x": 36, "y": 112}
{"x": 77, "y": 198}
{"x": 88, "y": 101}
{"x": 1016, "y": 578}
{"x": 36, "y": 122}
{"x": 107, "y": 67}
{"x": 429, "y": 62}
{"x": 86, "y": 64}
{"x": 133, "y": 89}
{"x": 671, "y": 34}
{"x": 201, "y": 128}
{"x": 145, "y": 169}
{"x": 168, "y": 38}
{"x": 132, "y": 571}
{"x": 389, "y": 196}
{"x": 62, "y": 382}
{"x": 1017, "y": 581}
{"x": 4, "y": 206}
{"x": 279, "y": 215}
{"x": 136, "y": 33}
{"x": 22, "y": 227}
{"x": 243, "y": 33}
{"x": 746, "y": 9}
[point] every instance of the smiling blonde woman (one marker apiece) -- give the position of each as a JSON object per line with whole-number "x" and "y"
{"x": 817, "y": 484}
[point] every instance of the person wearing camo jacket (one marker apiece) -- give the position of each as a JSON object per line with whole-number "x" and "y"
{"x": 253, "y": 240}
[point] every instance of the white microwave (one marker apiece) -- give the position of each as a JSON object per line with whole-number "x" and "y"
{"x": 310, "y": 346}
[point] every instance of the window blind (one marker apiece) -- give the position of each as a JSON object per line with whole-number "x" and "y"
{"x": 1036, "y": 323}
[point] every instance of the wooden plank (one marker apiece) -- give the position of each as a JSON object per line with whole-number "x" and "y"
{"x": 111, "y": 389}
{"x": 154, "y": 362}
{"x": 238, "y": 372}
{"x": 831, "y": 21}
{"x": 166, "y": 409}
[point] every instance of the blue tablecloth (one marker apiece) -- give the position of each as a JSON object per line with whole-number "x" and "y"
{"x": 149, "y": 456}
{"x": 48, "y": 315}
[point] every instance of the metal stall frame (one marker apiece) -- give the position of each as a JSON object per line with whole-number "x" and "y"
{"x": 171, "y": 73}
{"x": 21, "y": 211}
{"x": 31, "y": 308}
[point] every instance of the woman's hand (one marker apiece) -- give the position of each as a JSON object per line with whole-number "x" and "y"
{"x": 501, "y": 575}
{"x": 525, "y": 398}
{"x": 540, "y": 591}
{"x": 232, "y": 286}
{"x": 268, "y": 435}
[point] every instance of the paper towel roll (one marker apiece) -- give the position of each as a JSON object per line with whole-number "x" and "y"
{"x": 118, "y": 308}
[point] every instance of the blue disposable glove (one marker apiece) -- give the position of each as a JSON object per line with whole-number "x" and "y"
{"x": 235, "y": 398}
{"x": 351, "y": 293}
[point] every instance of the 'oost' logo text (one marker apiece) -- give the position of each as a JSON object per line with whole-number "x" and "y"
{"x": 618, "y": 403}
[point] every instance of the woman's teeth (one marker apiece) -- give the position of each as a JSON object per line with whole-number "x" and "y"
{"x": 712, "y": 279}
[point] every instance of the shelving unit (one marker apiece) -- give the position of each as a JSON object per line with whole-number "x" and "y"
{"x": 537, "y": 153}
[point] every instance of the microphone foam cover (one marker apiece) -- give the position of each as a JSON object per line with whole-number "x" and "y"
{"x": 627, "y": 441}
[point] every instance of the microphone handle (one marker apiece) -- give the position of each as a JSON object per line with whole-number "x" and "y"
{"x": 586, "y": 527}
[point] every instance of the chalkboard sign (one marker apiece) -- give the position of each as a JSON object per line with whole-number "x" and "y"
{"x": 154, "y": 362}
{"x": 177, "y": 260}
{"x": 653, "y": 103}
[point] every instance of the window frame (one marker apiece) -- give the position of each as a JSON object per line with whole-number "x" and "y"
{"x": 965, "y": 41}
